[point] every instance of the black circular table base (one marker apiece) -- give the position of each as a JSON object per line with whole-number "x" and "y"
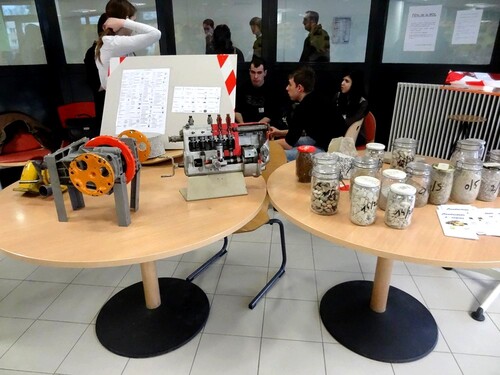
{"x": 405, "y": 332}
{"x": 126, "y": 327}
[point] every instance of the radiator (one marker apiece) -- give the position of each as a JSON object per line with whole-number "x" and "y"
{"x": 421, "y": 111}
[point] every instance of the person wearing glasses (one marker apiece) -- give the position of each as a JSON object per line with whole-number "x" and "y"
{"x": 317, "y": 43}
{"x": 255, "y": 100}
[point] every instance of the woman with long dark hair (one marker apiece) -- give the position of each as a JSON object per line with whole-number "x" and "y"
{"x": 223, "y": 43}
{"x": 121, "y": 36}
{"x": 350, "y": 102}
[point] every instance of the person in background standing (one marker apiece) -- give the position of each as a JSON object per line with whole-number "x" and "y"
{"x": 256, "y": 27}
{"x": 223, "y": 43}
{"x": 121, "y": 37}
{"x": 208, "y": 29}
{"x": 350, "y": 103}
{"x": 317, "y": 43}
{"x": 93, "y": 75}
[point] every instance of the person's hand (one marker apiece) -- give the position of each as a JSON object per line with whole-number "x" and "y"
{"x": 276, "y": 133}
{"x": 114, "y": 24}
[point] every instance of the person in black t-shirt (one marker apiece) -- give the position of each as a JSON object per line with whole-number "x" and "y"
{"x": 255, "y": 101}
{"x": 308, "y": 120}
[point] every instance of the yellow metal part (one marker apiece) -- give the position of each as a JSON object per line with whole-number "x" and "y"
{"x": 142, "y": 142}
{"x": 32, "y": 177}
{"x": 92, "y": 174}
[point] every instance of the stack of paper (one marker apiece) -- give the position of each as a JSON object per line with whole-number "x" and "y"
{"x": 465, "y": 221}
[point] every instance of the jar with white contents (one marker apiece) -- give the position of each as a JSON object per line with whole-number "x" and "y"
{"x": 466, "y": 181}
{"x": 403, "y": 152}
{"x": 364, "y": 199}
{"x": 441, "y": 183}
{"x": 376, "y": 151}
{"x": 419, "y": 176}
{"x": 470, "y": 148}
{"x": 490, "y": 182}
{"x": 400, "y": 204}
{"x": 389, "y": 177}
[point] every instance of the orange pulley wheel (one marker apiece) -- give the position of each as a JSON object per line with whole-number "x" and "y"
{"x": 127, "y": 155}
{"x": 92, "y": 174}
{"x": 142, "y": 142}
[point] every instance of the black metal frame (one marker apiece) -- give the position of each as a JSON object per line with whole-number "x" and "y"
{"x": 269, "y": 284}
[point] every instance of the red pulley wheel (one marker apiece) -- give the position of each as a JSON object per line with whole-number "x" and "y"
{"x": 128, "y": 157}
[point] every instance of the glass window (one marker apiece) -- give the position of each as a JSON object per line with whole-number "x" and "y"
{"x": 20, "y": 37}
{"x": 346, "y": 23}
{"x": 441, "y": 32}
{"x": 78, "y": 23}
{"x": 236, "y": 14}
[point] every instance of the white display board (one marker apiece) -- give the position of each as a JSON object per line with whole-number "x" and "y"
{"x": 157, "y": 94}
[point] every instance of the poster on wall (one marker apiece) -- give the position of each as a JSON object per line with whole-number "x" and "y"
{"x": 467, "y": 25}
{"x": 422, "y": 28}
{"x": 341, "y": 30}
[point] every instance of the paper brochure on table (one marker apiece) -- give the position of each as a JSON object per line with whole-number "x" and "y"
{"x": 465, "y": 221}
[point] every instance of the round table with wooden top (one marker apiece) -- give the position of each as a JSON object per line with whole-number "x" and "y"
{"x": 375, "y": 319}
{"x": 156, "y": 315}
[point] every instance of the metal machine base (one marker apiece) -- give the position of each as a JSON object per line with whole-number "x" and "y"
{"x": 126, "y": 327}
{"x": 405, "y": 332}
{"x": 215, "y": 186}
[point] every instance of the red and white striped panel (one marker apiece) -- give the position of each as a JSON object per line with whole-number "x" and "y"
{"x": 228, "y": 72}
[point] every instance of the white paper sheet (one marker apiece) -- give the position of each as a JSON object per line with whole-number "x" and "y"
{"x": 143, "y": 100}
{"x": 467, "y": 25}
{"x": 196, "y": 100}
{"x": 422, "y": 28}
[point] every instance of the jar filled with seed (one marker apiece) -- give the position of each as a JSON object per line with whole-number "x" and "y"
{"x": 419, "y": 176}
{"x": 400, "y": 204}
{"x": 363, "y": 166}
{"x": 325, "y": 189}
{"x": 389, "y": 177}
{"x": 403, "y": 152}
{"x": 304, "y": 163}
{"x": 467, "y": 148}
{"x": 466, "y": 181}
{"x": 376, "y": 151}
{"x": 490, "y": 182}
{"x": 441, "y": 183}
{"x": 364, "y": 199}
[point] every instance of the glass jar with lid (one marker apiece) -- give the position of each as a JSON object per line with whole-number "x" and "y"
{"x": 304, "y": 163}
{"x": 325, "y": 158}
{"x": 494, "y": 156}
{"x": 403, "y": 152}
{"x": 466, "y": 180}
{"x": 376, "y": 151}
{"x": 441, "y": 183}
{"x": 419, "y": 176}
{"x": 400, "y": 204}
{"x": 363, "y": 166}
{"x": 364, "y": 199}
{"x": 467, "y": 148}
{"x": 325, "y": 191}
{"x": 389, "y": 177}
{"x": 490, "y": 182}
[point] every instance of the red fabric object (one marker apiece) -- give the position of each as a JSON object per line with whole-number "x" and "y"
{"x": 21, "y": 156}
{"x": 21, "y": 142}
{"x": 453, "y": 76}
{"x": 474, "y": 83}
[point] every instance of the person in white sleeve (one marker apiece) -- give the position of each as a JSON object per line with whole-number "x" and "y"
{"x": 121, "y": 37}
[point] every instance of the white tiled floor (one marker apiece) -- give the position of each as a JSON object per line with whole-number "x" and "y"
{"x": 47, "y": 315}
